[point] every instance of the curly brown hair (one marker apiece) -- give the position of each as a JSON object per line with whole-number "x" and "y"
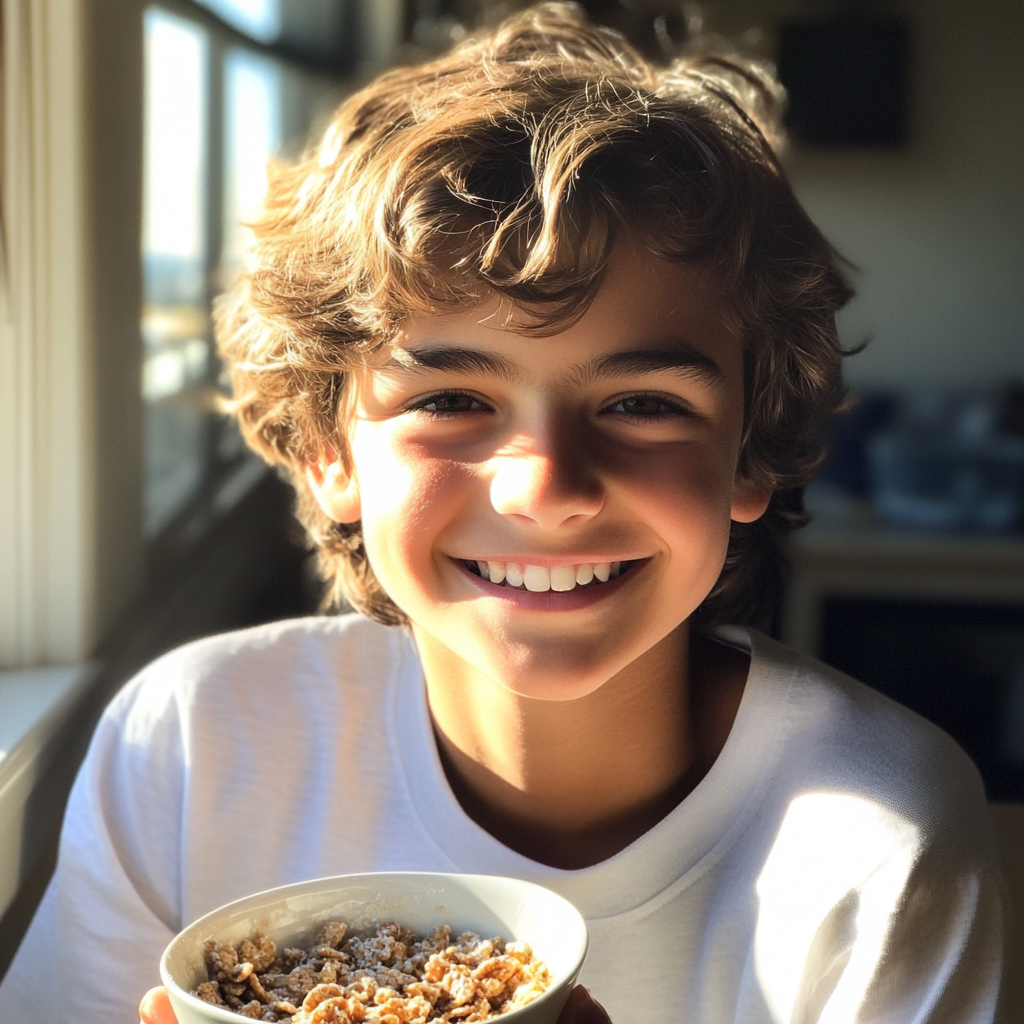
{"x": 510, "y": 166}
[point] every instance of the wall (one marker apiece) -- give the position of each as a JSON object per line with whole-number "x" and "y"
{"x": 936, "y": 228}
{"x": 112, "y": 41}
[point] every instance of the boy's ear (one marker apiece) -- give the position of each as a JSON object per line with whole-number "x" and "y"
{"x": 749, "y": 500}
{"x": 335, "y": 488}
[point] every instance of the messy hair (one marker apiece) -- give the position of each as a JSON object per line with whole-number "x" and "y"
{"x": 511, "y": 166}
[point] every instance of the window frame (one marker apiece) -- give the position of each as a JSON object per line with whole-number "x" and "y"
{"x": 224, "y": 482}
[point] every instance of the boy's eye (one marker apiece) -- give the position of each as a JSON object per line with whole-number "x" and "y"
{"x": 449, "y": 403}
{"x": 646, "y": 407}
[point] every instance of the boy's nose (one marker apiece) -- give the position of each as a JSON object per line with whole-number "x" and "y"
{"x": 544, "y": 489}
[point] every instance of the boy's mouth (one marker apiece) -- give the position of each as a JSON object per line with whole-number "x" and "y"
{"x": 541, "y": 578}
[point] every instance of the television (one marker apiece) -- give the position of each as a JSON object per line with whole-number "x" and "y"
{"x": 847, "y": 80}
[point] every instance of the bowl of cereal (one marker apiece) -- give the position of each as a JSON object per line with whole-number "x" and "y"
{"x": 395, "y": 948}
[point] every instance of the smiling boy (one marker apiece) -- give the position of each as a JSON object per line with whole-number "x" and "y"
{"x": 546, "y": 512}
{"x": 546, "y": 344}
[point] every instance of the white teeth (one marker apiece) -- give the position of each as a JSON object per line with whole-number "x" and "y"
{"x": 540, "y": 578}
{"x": 563, "y": 578}
{"x": 537, "y": 578}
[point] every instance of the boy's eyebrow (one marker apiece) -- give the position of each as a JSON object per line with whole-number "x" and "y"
{"x": 454, "y": 360}
{"x": 636, "y": 362}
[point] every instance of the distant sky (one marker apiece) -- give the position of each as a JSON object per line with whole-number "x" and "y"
{"x": 175, "y": 137}
{"x": 175, "y": 130}
{"x": 252, "y": 136}
{"x": 260, "y": 19}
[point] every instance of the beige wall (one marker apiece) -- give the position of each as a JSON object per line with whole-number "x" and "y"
{"x": 113, "y": 119}
{"x": 938, "y": 228}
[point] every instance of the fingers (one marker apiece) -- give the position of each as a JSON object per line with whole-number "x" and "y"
{"x": 583, "y": 1008}
{"x": 155, "y": 1008}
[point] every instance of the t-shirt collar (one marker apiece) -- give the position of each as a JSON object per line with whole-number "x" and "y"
{"x": 695, "y": 833}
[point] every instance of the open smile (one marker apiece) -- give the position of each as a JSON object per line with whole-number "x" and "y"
{"x": 539, "y": 579}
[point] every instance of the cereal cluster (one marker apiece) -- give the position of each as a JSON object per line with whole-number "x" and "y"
{"x": 389, "y": 976}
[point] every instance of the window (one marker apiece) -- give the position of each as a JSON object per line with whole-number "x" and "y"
{"x": 222, "y": 98}
{"x": 260, "y": 19}
{"x": 253, "y": 95}
{"x": 175, "y": 323}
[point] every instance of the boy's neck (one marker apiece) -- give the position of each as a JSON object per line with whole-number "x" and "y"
{"x": 570, "y": 783}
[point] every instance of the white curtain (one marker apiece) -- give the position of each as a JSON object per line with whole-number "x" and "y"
{"x": 44, "y": 366}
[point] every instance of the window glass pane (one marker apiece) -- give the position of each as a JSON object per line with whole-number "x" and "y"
{"x": 175, "y": 322}
{"x": 310, "y": 30}
{"x": 260, "y": 19}
{"x": 252, "y": 135}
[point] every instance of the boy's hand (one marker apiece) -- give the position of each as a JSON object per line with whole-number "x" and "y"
{"x": 155, "y": 1008}
{"x": 581, "y": 1008}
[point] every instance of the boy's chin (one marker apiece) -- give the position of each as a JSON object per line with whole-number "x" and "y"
{"x": 551, "y": 687}
{"x": 553, "y": 675}
{"x": 550, "y": 667}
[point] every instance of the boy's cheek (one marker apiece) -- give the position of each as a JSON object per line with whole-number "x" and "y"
{"x": 405, "y": 515}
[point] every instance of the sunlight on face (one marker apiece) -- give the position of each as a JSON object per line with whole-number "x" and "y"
{"x": 613, "y": 442}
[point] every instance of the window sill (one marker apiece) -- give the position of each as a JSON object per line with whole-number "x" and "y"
{"x": 35, "y": 707}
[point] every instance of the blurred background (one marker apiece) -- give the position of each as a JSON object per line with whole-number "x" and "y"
{"x": 135, "y": 142}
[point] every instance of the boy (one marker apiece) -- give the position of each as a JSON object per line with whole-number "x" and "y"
{"x": 546, "y": 343}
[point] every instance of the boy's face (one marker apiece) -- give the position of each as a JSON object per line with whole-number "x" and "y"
{"x": 614, "y": 441}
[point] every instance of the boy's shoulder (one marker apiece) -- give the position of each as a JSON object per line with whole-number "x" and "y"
{"x": 261, "y": 662}
{"x": 840, "y": 736}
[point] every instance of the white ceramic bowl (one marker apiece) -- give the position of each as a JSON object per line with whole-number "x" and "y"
{"x": 486, "y": 904}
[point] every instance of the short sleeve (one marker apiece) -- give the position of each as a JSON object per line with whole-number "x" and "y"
{"x": 866, "y": 916}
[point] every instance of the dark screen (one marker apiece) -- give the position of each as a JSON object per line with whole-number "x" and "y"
{"x": 847, "y": 80}
{"x": 961, "y": 666}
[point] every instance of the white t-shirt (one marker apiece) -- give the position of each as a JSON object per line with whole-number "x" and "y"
{"x": 835, "y": 864}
